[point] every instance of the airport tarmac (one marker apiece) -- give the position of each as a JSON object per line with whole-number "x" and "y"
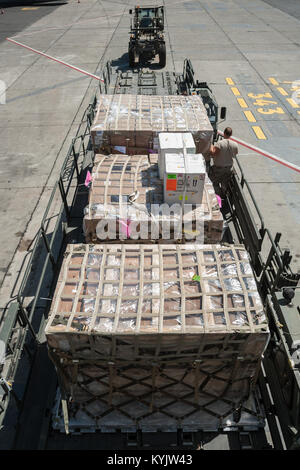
{"x": 247, "y": 51}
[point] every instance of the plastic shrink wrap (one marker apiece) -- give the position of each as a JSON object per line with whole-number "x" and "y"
{"x": 124, "y": 204}
{"x": 138, "y": 332}
{"x": 131, "y": 123}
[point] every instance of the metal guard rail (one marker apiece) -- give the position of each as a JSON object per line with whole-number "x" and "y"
{"x": 16, "y": 315}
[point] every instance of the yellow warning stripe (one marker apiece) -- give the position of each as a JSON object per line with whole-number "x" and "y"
{"x": 259, "y": 133}
{"x": 273, "y": 81}
{"x": 229, "y": 81}
{"x": 249, "y": 116}
{"x": 292, "y": 103}
{"x": 30, "y": 8}
{"x": 282, "y": 91}
{"x": 242, "y": 103}
{"x": 235, "y": 91}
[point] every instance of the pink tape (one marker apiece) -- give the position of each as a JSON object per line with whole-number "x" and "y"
{"x": 56, "y": 60}
{"x": 88, "y": 179}
{"x": 125, "y": 227}
{"x": 289, "y": 165}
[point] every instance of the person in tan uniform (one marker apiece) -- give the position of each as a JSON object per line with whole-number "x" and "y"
{"x": 223, "y": 153}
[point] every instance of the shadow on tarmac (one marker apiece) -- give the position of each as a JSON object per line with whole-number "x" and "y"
{"x": 14, "y": 20}
{"x": 26, "y": 3}
{"x": 122, "y": 64}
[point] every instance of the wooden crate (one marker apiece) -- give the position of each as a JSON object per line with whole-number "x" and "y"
{"x": 118, "y": 178}
{"x": 167, "y": 297}
{"x": 173, "y": 330}
{"x": 134, "y": 121}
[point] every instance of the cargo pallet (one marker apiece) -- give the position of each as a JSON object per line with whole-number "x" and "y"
{"x": 24, "y": 352}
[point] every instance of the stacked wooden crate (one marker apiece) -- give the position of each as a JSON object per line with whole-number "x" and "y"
{"x": 131, "y": 123}
{"x": 130, "y": 185}
{"x": 142, "y": 333}
{"x": 155, "y": 336}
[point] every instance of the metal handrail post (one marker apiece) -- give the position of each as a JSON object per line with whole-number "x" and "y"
{"x": 75, "y": 156}
{"x": 63, "y": 195}
{"x": 47, "y": 246}
{"x": 83, "y": 146}
{"x": 25, "y": 318}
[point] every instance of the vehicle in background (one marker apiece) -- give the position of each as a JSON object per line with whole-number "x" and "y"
{"x": 147, "y": 35}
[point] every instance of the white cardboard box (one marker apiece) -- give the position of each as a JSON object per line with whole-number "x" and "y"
{"x": 184, "y": 178}
{"x": 188, "y": 142}
{"x": 174, "y": 178}
{"x": 195, "y": 177}
{"x": 173, "y": 143}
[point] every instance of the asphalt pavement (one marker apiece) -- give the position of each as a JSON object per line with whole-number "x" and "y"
{"x": 291, "y": 7}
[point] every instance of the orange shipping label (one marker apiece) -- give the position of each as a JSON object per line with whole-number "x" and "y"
{"x": 171, "y": 185}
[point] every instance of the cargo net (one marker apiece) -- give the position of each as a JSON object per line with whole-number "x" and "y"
{"x": 133, "y": 196}
{"x": 161, "y": 289}
{"x": 209, "y": 396}
{"x": 153, "y": 113}
{"x": 161, "y": 336}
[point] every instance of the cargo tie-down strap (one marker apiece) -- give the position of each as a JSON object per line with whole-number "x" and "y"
{"x": 273, "y": 157}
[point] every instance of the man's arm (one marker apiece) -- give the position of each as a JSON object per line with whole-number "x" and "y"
{"x": 214, "y": 150}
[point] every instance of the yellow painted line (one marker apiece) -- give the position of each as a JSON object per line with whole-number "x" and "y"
{"x": 259, "y": 133}
{"x": 249, "y": 116}
{"x": 30, "y": 8}
{"x": 235, "y": 91}
{"x": 282, "y": 91}
{"x": 242, "y": 103}
{"x": 229, "y": 81}
{"x": 273, "y": 81}
{"x": 292, "y": 103}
